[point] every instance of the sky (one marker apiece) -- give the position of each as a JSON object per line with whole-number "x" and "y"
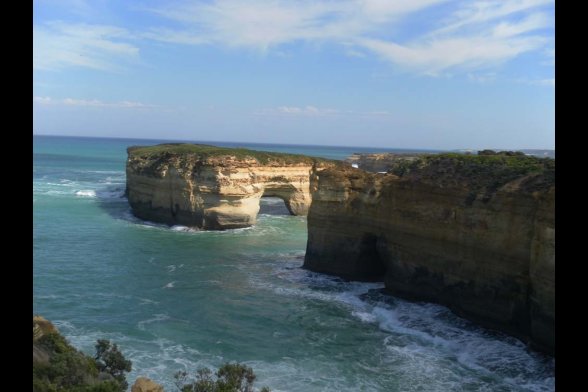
{"x": 438, "y": 74}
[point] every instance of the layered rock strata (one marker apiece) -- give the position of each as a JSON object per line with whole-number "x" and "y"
{"x": 473, "y": 233}
{"x": 215, "y": 188}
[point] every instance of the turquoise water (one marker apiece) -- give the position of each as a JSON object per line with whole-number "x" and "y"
{"x": 175, "y": 299}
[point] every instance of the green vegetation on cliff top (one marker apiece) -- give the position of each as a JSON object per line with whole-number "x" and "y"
{"x": 204, "y": 151}
{"x": 487, "y": 169}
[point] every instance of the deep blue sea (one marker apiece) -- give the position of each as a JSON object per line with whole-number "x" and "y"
{"x": 175, "y": 299}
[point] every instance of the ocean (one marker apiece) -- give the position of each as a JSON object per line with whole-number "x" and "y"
{"x": 176, "y": 299}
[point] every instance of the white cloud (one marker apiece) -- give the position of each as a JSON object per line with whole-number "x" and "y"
{"x": 57, "y": 45}
{"x": 43, "y": 100}
{"x": 297, "y": 111}
{"x": 492, "y": 34}
{"x": 313, "y": 111}
{"x": 262, "y": 24}
{"x": 468, "y": 34}
{"x": 550, "y": 54}
{"x": 305, "y": 111}
{"x": 433, "y": 57}
{"x": 548, "y": 82}
{"x": 483, "y": 11}
{"x": 482, "y": 78}
{"x": 90, "y": 103}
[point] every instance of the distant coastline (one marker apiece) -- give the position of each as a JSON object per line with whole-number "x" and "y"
{"x": 353, "y": 149}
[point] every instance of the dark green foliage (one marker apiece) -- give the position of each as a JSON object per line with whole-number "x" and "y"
{"x": 507, "y": 153}
{"x": 400, "y": 166}
{"x": 231, "y": 377}
{"x": 110, "y": 360}
{"x": 68, "y": 369}
{"x": 203, "y": 151}
{"x": 487, "y": 171}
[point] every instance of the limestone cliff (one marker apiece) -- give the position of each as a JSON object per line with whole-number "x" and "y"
{"x": 215, "y": 188}
{"x": 475, "y": 233}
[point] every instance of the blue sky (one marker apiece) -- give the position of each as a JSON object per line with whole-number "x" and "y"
{"x": 407, "y": 74}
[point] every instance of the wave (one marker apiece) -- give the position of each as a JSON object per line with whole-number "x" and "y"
{"x": 116, "y": 193}
{"x": 183, "y": 228}
{"x": 157, "y": 318}
{"x": 86, "y": 193}
{"x": 157, "y": 358}
{"x": 271, "y": 201}
{"x": 62, "y": 183}
{"x": 147, "y": 301}
{"x": 55, "y": 193}
{"x": 423, "y": 337}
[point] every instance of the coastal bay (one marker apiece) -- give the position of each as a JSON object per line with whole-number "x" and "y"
{"x": 175, "y": 298}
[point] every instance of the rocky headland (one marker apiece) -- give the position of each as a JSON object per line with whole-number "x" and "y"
{"x": 473, "y": 232}
{"x": 385, "y": 161}
{"x": 380, "y": 162}
{"x": 215, "y": 188}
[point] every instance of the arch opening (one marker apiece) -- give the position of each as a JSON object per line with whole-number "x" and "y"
{"x": 281, "y": 192}
{"x": 273, "y": 205}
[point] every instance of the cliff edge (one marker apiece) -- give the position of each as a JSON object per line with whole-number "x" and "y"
{"x": 473, "y": 232}
{"x": 215, "y": 188}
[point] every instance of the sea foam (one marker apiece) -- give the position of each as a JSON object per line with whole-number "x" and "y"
{"x": 86, "y": 193}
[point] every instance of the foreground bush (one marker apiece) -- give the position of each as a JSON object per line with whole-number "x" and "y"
{"x": 57, "y": 366}
{"x": 231, "y": 377}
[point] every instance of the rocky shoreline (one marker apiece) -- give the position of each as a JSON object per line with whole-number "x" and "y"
{"x": 473, "y": 232}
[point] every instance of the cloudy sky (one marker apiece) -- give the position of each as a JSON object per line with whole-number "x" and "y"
{"x": 386, "y": 73}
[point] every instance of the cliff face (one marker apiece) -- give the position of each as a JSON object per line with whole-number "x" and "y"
{"x": 480, "y": 243}
{"x": 214, "y": 188}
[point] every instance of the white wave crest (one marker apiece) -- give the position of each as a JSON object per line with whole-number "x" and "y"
{"x": 86, "y": 193}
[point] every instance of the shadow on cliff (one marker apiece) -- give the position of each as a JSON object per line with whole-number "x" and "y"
{"x": 112, "y": 200}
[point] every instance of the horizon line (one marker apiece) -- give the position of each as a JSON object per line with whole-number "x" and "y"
{"x": 294, "y": 144}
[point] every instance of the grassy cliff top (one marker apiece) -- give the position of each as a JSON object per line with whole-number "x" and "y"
{"x": 204, "y": 151}
{"x": 487, "y": 170}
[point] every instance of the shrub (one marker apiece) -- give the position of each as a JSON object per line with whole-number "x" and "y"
{"x": 66, "y": 369}
{"x": 231, "y": 377}
{"x": 110, "y": 360}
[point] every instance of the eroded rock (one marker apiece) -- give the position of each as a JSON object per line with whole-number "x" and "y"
{"x": 474, "y": 233}
{"x": 215, "y": 188}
